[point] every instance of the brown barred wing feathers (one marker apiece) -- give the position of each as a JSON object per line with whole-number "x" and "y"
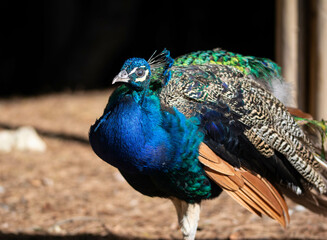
{"x": 247, "y": 111}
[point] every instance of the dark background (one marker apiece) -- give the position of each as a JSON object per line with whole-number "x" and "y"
{"x": 55, "y": 45}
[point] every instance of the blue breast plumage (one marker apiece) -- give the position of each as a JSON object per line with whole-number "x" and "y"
{"x": 141, "y": 138}
{"x": 127, "y": 135}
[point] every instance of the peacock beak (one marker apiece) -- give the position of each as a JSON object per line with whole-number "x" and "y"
{"x": 121, "y": 77}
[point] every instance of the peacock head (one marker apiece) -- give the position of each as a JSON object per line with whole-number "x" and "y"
{"x": 135, "y": 73}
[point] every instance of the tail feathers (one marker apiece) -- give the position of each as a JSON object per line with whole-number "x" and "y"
{"x": 316, "y": 132}
{"x": 311, "y": 199}
{"x": 251, "y": 191}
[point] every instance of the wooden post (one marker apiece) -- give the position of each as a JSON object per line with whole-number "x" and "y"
{"x": 321, "y": 90}
{"x": 287, "y": 43}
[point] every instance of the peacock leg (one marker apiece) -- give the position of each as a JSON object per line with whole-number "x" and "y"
{"x": 188, "y": 216}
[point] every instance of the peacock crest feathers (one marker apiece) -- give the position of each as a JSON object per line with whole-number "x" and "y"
{"x": 160, "y": 67}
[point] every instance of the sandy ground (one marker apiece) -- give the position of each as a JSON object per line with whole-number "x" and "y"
{"x": 67, "y": 192}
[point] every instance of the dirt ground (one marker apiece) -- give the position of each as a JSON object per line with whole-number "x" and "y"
{"x": 67, "y": 192}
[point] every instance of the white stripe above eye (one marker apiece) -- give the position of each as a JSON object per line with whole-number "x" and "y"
{"x": 141, "y": 79}
{"x": 134, "y": 69}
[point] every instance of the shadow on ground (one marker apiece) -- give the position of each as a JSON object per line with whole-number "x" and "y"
{"x": 50, "y": 134}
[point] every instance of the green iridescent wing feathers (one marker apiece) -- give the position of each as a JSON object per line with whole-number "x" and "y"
{"x": 260, "y": 68}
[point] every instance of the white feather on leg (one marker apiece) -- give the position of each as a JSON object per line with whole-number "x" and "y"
{"x": 188, "y": 216}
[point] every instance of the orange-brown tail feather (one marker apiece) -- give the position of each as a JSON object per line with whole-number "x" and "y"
{"x": 250, "y": 190}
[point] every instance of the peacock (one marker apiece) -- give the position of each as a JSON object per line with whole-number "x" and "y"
{"x": 210, "y": 121}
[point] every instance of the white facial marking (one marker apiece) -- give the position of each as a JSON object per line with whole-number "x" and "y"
{"x": 134, "y": 69}
{"x": 141, "y": 79}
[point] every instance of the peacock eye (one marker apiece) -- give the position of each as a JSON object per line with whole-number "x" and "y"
{"x": 140, "y": 72}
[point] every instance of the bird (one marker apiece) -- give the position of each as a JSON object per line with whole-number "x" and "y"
{"x": 210, "y": 121}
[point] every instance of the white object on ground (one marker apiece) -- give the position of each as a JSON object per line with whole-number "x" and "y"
{"x": 22, "y": 139}
{"x": 7, "y": 141}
